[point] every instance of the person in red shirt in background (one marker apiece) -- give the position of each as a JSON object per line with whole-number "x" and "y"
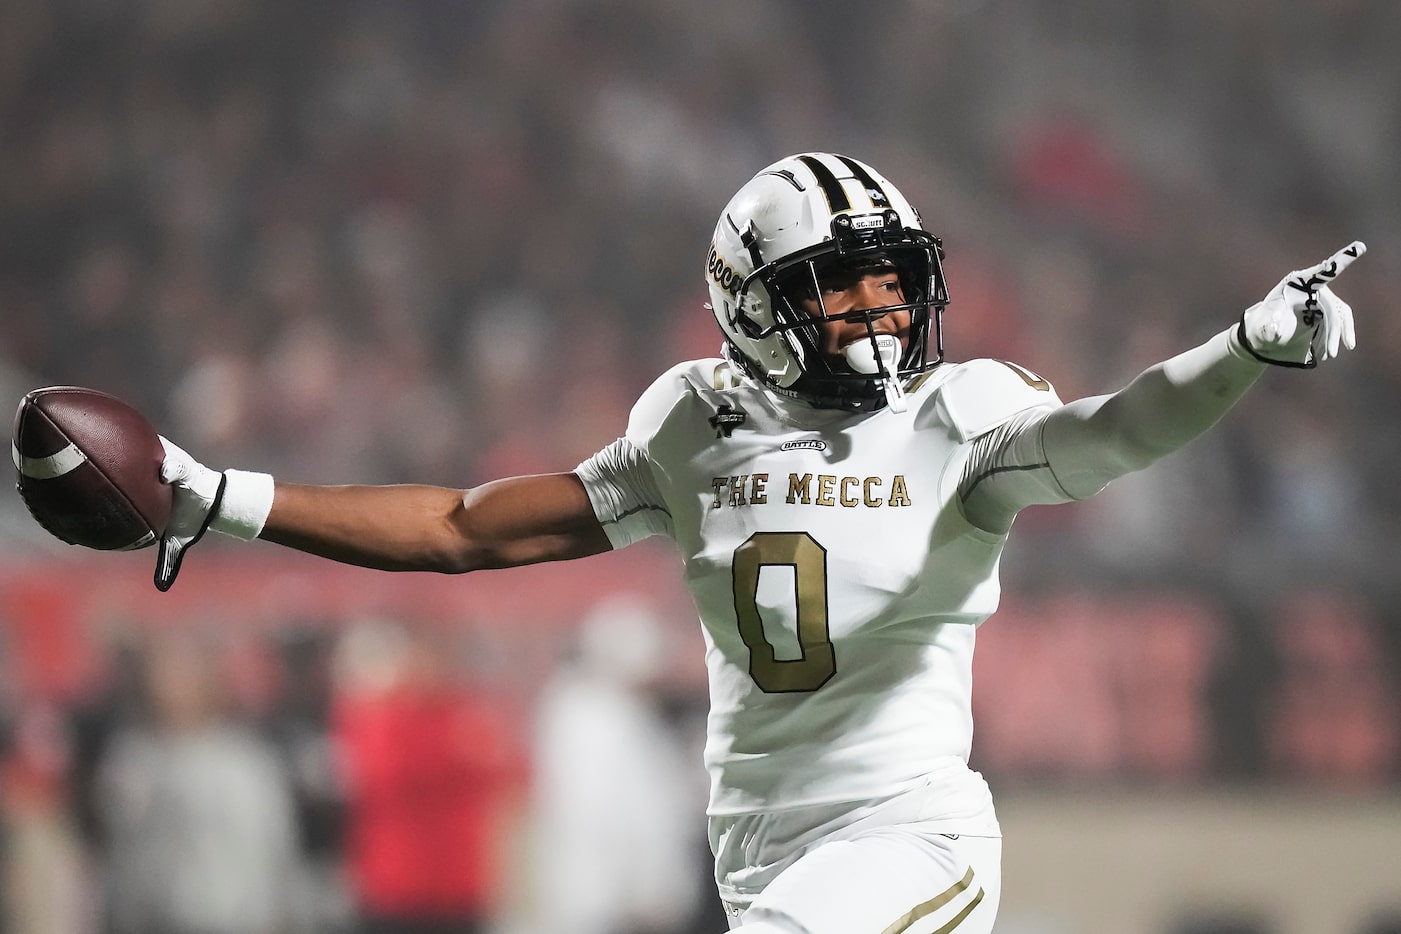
{"x": 429, "y": 769}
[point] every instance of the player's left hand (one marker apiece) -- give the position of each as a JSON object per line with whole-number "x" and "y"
{"x": 1301, "y": 322}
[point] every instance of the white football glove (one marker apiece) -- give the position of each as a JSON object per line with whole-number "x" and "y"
{"x": 196, "y": 492}
{"x": 1301, "y": 322}
{"x": 235, "y": 502}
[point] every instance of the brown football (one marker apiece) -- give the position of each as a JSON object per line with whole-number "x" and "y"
{"x": 89, "y": 468}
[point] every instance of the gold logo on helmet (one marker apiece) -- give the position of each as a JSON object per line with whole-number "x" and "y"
{"x": 722, "y": 273}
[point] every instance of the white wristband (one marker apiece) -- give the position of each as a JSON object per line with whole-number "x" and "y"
{"x": 245, "y": 506}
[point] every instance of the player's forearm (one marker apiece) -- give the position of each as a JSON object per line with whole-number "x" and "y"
{"x": 505, "y": 523}
{"x": 1091, "y": 441}
{"x": 392, "y": 528}
{"x": 1170, "y": 404}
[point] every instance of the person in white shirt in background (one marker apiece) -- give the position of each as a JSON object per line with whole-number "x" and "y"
{"x": 615, "y": 796}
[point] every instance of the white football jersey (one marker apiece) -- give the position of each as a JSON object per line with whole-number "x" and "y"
{"x": 839, "y": 585}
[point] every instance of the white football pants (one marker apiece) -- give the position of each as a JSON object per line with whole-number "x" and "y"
{"x": 888, "y": 880}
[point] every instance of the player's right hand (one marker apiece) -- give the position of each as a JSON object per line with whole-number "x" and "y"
{"x": 196, "y": 492}
{"x": 1301, "y": 322}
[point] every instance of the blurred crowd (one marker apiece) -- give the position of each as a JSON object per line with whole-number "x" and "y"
{"x": 444, "y": 241}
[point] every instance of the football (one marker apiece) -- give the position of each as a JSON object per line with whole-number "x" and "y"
{"x": 89, "y": 468}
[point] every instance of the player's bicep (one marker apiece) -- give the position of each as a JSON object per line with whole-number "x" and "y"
{"x": 1007, "y": 470}
{"x": 530, "y": 519}
{"x": 1094, "y": 440}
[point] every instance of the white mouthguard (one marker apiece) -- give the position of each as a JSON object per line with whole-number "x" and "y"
{"x": 861, "y": 357}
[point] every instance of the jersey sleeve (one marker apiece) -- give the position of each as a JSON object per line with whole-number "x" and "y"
{"x": 997, "y": 410}
{"x": 980, "y": 395}
{"x": 626, "y": 485}
{"x": 624, "y": 493}
{"x": 1007, "y": 470}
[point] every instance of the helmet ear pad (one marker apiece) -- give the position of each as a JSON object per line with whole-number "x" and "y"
{"x": 765, "y": 352}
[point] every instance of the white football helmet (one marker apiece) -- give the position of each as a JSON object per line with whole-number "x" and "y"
{"x": 790, "y": 224}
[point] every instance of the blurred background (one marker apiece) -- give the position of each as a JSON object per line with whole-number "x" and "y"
{"x": 444, "y": 241}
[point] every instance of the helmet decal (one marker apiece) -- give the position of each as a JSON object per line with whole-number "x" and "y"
{"x": 831, "y": 188}
{"x": 722, "y": 273}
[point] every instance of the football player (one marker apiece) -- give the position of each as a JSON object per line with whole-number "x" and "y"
{"x": 839, "y": 496}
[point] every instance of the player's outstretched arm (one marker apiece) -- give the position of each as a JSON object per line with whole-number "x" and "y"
{"x": 505, "y": 523}
{"x": 1298, "y": 324}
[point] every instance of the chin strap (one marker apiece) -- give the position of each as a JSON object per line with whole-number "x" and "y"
{"x": 894, "y": 394}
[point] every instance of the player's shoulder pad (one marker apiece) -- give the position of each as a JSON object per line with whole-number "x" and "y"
{"x": 683, "y": 384}
{"x": 981, "y": 394}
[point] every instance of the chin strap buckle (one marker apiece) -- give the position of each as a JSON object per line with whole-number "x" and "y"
{"x": 894, "y": 394}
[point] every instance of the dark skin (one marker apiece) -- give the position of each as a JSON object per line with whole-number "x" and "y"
{"x": 505, "y": 523}
{"x": 511, "y": 522}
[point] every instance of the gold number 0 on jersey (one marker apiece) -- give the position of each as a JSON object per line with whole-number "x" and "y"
{"x": 808, "y": 560}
